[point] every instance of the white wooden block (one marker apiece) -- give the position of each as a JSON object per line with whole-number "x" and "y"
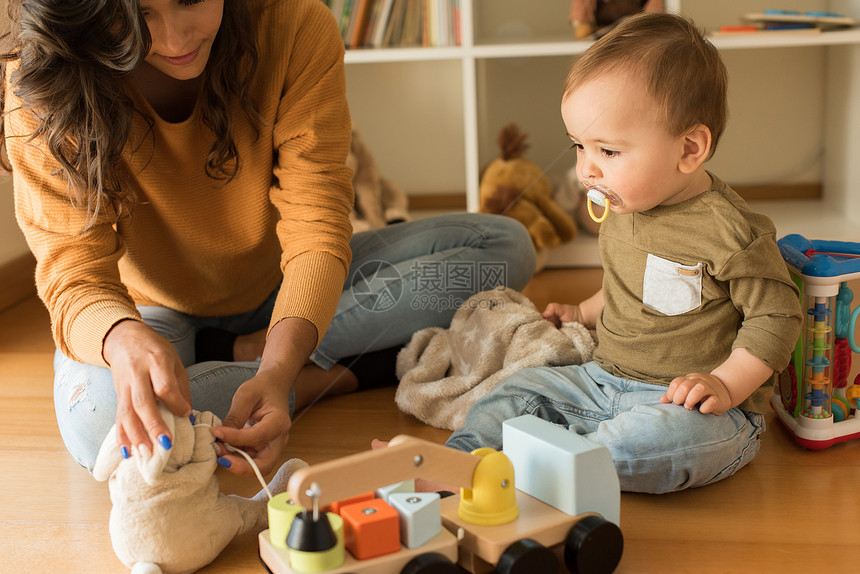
{"x": 562, "y": 468}
{"x": 420, "y": 516}
{"x": 385, "y": 491}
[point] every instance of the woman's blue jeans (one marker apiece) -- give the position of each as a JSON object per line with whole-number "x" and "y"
{"x": 656, "y": 448}
{"x": 403, "y": 278}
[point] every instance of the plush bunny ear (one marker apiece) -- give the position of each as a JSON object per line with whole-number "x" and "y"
{"x": 108, "y": 458}
{"x": 151, "y": 464}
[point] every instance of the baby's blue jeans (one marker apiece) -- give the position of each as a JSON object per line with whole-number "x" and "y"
{"x": 656, "y": 448}
{"x": 403, "y": 278}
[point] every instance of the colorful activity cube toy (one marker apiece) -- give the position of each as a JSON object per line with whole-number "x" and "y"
{"x": 814, "y": 398}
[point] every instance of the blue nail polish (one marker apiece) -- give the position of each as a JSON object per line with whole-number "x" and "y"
{"x": 123, "y": 450}
{"x": 164, "y": 441}
{"x": 224, "y": 462}
{"x": 191, "y": 418}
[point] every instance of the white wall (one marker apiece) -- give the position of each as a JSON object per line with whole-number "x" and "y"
{"x": 411, "y": 117}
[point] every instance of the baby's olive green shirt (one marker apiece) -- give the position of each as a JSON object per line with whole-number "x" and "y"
{"x": 686, "y": 284}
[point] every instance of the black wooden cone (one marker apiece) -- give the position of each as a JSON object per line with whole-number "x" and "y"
{"x": 309, "y": 535}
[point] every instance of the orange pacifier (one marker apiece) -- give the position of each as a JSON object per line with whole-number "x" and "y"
{"x": 601, "y": 195}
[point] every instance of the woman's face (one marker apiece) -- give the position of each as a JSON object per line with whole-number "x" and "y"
{"x": 182, "y": 34}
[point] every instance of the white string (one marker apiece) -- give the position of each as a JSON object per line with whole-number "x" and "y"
{"x": 253, "y": 465}
{"x": 232, "y": 448}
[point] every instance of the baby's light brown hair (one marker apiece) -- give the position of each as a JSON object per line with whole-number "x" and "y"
{"x": 682, "y": 71}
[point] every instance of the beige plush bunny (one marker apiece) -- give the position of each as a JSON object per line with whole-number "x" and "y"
{"x": 168, "y": 514}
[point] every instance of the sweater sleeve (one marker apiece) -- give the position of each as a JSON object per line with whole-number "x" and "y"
{"x": 763, "y": 292}
{"x": 313, "y": 191}
{"x": 77, "y": 276}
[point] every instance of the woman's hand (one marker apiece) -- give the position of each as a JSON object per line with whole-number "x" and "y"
{"x": 258, "y": 423}
{"x": 259, "y": 417}
{"x": 145, "y": 367}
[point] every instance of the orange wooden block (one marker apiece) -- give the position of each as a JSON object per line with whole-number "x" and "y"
{"x": 370, "y": 528}
{"x": 336, "y": 506}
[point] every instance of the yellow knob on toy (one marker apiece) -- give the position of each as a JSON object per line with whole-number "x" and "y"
{"x": 282, "y": 511}
{"x": 595, "y": 196}
{"x": 492, "y": 499}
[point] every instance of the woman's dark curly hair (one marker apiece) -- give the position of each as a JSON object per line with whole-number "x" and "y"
{"x": 74, "y": 57}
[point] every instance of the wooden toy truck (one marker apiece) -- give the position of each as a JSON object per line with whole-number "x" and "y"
{"x": 566, "y": 501}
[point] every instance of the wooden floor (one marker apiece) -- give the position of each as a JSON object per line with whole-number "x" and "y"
{"x": 790, "y": 510}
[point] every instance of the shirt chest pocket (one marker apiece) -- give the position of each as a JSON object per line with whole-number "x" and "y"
{"x": 671, "y": 288}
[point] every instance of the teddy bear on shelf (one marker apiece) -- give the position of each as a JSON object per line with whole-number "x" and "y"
{"x": 517, "y": 187}
{"x": 378, "y": 201}
{"x": 588, "y": 16}
{"x": 168, "y": 514}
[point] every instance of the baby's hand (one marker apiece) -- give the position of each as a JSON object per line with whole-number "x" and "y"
{"x": 558, "y": 313}
{"x": 707, "y": 391}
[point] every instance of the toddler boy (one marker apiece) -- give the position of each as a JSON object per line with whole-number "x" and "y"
{"x": 696, "y": 310}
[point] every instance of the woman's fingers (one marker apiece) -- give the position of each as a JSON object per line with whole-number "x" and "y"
{"x": 263, "y": 441}
{"x": 146, "y": 369}
{"x": 140, "y": 385}
{"x": 170, "y": 385}
{"x": 265, "y": 457}
{"x": 146, "y": 409}
{"x": 132, "y": 434}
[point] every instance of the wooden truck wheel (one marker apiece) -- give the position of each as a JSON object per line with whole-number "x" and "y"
{"x": 527, "y": 557}
{"x": 430, "y": 563}
{"x": 593, "y": 546}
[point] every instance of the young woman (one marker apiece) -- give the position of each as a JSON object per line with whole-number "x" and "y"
{"x": 179, "y": 167}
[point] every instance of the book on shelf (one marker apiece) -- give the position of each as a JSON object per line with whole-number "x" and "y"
{"x": 380, "y": 25}
{"x": 397, "y": 23}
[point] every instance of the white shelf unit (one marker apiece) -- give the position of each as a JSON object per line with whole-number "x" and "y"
{"x": 835, "y": 216}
